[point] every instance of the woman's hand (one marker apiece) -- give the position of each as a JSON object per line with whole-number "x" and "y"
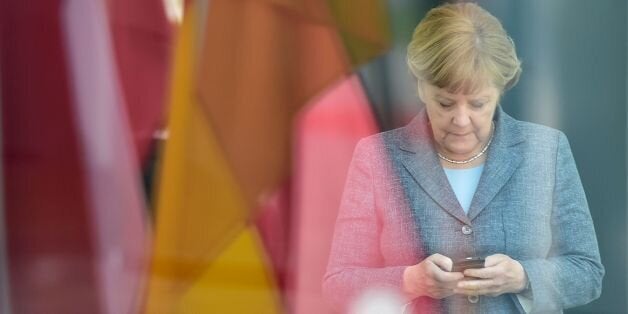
{"x": 501, "y": 274}
{"x": 432, "y": 277}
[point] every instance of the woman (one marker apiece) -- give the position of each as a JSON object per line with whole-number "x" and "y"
{"x": 464, "y": 179}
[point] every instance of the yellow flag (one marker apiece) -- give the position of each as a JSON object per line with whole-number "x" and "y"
{"x": 198, "y": 201}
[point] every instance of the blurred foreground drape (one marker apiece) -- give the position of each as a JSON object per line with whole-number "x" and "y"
{"x": 76, "y": 229}
{"x": 333, "y": 123}
{"x": 197, "y": 197}
{"x": 79, "y": 106}
{"x": 243, "y": 70}
{"x": 264, "y": 60}
{"x": 5, "y": 300}
{"x": 142, "y": 44}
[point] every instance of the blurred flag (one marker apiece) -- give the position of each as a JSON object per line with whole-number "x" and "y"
{"x": 198, "y": 203}
{"x": 263, "y": 60}
{"x": 77, "y": 235}
{"x": 142, "y": 41}
{"x": 243, "y": 69}
{"x": 325, "y": 135}
{"x": 115, "y": 196}
{"x": 273, "y": 223}
{"x": 364, "y": 27}
{"x": 5, "y": 301}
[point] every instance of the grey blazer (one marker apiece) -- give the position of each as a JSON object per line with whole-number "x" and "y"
{"x": 398, "y": 208}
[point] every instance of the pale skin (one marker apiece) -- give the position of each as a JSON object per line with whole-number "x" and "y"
{"x": 462, "y": 125}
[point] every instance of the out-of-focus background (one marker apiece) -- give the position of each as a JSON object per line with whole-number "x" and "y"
{"x": 189, "y": 156}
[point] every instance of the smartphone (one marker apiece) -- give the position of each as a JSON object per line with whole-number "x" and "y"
{"x": 467, "y": 263}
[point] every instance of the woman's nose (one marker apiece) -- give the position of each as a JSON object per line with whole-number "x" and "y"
{"x": 461, "y": 118}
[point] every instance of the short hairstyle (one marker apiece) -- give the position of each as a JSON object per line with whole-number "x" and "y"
{"x": 462, "y": 47}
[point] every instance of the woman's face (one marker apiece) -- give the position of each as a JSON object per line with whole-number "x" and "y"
{"x": 461, "y": 123}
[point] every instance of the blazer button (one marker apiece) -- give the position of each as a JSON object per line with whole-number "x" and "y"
{"x": 473, "y": 298}
{"x": 467, "y": 230}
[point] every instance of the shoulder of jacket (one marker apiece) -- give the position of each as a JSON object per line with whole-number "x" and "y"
{"x": 538, "y": 133}
{"x": 382, "y": 139}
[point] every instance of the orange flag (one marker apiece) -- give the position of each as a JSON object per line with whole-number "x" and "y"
{"x": 243, "y": 70}
{"x": 199, "y": 204}
{"x": 263, "y": 60}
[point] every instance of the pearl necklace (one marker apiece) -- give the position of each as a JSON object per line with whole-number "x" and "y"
{"x": 472, "y": 158}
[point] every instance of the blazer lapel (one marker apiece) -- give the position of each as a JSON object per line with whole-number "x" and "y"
{"x": 504, "y": 156}
{"x": 419, "y": 158}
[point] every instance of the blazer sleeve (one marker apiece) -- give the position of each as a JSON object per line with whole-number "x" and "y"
{"x": 572, "y": 273}
{"x": 355, "y": 262}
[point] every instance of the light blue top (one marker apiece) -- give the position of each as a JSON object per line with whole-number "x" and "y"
{"x": 464, "y": 183}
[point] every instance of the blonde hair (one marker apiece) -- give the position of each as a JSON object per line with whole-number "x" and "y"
{"x": 462, "y": 47}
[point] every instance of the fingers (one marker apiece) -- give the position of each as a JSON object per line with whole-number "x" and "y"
{"x": 429, "y": 279}
{"x": 478, "y": 287}
{"x": 432, "y": 280}
{"x": 502, "y": 274}
{"x": 495, "y": 259}
{"x": 494, "y": 266}
{"x": 476, "y": 284}
{"x": 441, "y": 269}
{"x": 433, "y": 277}
{"x": 484, "y": 273}
{"x": 444, "y": 262}
{"x": 442, "y": 276}
{"x": 447, "y": 277}
{"x": 442, "y": 293}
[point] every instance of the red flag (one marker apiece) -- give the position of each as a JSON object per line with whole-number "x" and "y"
{"x": 76, "y": 231}
{"x": 142, "y": 42}
{"x": 326, "y": 134}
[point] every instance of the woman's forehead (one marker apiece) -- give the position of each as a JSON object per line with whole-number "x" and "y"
{"x": 482, "y": 92}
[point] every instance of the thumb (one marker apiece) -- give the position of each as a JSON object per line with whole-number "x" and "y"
{"x": 443, "y": 262}
{"x": 495, "y": 259}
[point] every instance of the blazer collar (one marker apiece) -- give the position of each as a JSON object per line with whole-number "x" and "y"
{"x": 420, "y": 159}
